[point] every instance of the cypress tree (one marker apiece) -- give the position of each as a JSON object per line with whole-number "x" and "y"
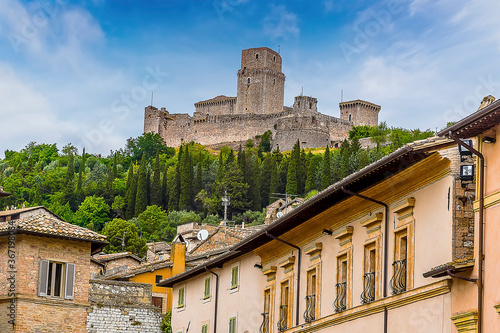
{"x": 186, "y": 181}
{"x": 156, "y": 186}
{"x": 255, "y": 187}
{"x": 265, "y": 179}
{"x": 326, "y": 176}
{"x": 311, "y": 175}
{"x": 282, "y": 173}
{"x": 345, "y": 158}
{"x": 219, "y": 176}
{"x": 164, "y": 189}
{"x": 115, "y": 170}
{"x": 141, "y": 198}
{"x": 69, "y": 188}
{"x": 198, "y": 184}
{"x": 131, "y": 193}
{"x": 79, "y": 191}
{"x": 291, "y": 177}
{"x": 173, "y": 194}
{"x": 274, "y": 180}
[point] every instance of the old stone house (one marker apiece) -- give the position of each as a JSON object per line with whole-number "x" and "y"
{"x": 114, "y": 262}
{"x": 350, "y": 259}
{"x": 44, "y": 271}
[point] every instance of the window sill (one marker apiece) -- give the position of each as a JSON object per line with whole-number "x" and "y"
{"x": 181, "y": 309}
{"x": 234, "y": 290}
{"x": 206, "y": 300}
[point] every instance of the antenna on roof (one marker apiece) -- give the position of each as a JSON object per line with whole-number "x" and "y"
{"x": 151, "y": 98}
{"x": 302, "y": 91}
{"x": 341, "y": 95}
{"x": 279, "y": 49}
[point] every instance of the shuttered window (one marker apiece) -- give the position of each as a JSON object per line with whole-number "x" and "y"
{"x": 232, "y": 325}
{"x": 204, "y": 329}
{"x": 180, "y": 298}
{"x": 234, "y": 277}
{"x": 56, "y": 279}
{"x": 206, "y": 293}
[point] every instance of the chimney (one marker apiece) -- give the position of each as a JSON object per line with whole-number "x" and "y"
{"x": 178, "y": 257}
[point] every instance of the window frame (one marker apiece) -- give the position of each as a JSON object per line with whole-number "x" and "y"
{"x": 181, "y": 306}
{"x": 47, "y": 279}
{"x": 207, "y": 292}
{"x": 234, "y": 283}
{"x": 233, "y": 319}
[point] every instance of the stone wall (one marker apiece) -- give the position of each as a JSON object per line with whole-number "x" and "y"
{"x": 117, "y": 306}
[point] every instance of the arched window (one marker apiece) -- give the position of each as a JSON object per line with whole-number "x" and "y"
{"x": 256, "y": 56}
{"x": 274, "y": 58}
{"x": 274, "y": 81}
{"x": 248, "y": 81}
{"x": 349, "y": 115}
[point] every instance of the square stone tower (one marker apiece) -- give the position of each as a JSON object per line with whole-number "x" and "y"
{"x": 360, "y": 112}
{"x": 261, "y": 84}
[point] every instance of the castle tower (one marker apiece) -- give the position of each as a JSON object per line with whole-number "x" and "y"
{"x": 261, "y": 84}
{"x": 359, "y": 112}
{"x": 153, "y": 118}
{"x": 305, "y": 104}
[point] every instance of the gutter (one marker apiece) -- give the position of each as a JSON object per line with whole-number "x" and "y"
{"x": 480, "y": 231}
{"x": 297, "y": 311}
{"x": 386, "y": 245}
{"x": 216, "y": 303}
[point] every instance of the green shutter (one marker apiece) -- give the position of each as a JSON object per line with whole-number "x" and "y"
{"x": 206, "y": 294}
{"x": 234, "y": 277}
{"x": 232, "y": 325}
{"x": 204, "y": 329}
{"x": 180, "y": 300}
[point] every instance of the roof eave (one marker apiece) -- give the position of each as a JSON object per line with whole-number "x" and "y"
{"x": 474, "y": 118}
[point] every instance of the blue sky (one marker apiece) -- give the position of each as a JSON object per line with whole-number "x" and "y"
{"x": 82, "y": 72}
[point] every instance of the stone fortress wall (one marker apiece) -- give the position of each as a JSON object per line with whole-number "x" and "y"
{"x": 257, "y": 108}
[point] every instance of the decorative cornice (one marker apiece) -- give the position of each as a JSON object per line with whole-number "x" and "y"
{"x": 465, "y": 322}
{"x": 407, "y": 204}
{"x": 287, "y": 263}
{"x": 373, "y": 222}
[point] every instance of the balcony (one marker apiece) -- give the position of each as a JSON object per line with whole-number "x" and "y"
{"x": 368, "y": 294}
{"x": 340, "y": 301}
{"x": 310, "y": 313}
{"x": 282, "y": 323}
{"x": 398, "y": 280}
{"x": 264, "y": 328}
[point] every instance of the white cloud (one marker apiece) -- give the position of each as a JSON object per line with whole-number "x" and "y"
{"x": 281, "y": 23}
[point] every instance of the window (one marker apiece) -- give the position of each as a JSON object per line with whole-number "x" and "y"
{"x": 398, "y": 281}
{"x": 274, "y": 58}
{"x": 284, "y": 304}
{"x": 206, "y": 292}
{"x": 267, "y": 311}
{"x": 340, "y": 303}
{"x": 310, "y": 313}
{"x": 232, "y": 325}
{"x": 204, "y": 328}
{"x": 349, "y": 117}
{"x": 180, "y": 298}
{"x": 158, "y": 302}
{"x": 368, "y": 294}
{"x": 234, "y": 277}
{"x": 57, "y": 279}
{"x": 274, "y": 81}
{"x": 248, "y": 80}
{"x": 158, "y": 278}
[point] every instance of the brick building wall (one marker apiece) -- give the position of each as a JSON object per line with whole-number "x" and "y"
{"x": 43, "y": 314}
{"x": 121, "y": 307}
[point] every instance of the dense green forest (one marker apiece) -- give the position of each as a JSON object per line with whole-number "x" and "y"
{"x": 146, "y": 189}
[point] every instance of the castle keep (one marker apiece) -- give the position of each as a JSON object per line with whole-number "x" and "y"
{"x": 258, "y": 107}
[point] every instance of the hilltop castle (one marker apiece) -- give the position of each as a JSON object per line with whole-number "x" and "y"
{"x": 258, "y": 107}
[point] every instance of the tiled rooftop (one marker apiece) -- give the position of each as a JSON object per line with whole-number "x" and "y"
{"x": 48, "y": 224}
{"x": 114, "y": 256}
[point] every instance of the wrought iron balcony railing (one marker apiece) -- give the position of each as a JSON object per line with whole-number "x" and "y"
{"x": 310, "y": 313}
{"x": 368, "y": 294}
{"x": 398, "y": 280}
{"x": 282, "y": 322}
{"x": 340, "y": 301}
{"x": 264, "y": 327}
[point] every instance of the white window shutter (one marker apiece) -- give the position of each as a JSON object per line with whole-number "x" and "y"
{"x": 69, "y": 290}
{"x": 43, "y": 278}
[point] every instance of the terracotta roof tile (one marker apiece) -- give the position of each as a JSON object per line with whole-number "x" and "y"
{"x": 47, "y": 224}
{"x": 114, "y": 256}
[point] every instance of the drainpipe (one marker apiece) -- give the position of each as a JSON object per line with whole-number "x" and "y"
{"x": 386, "y": 244}
{"x": 298, "y": 273}
{"x": 481, "y": 232}
{"x": 216, "y": 303}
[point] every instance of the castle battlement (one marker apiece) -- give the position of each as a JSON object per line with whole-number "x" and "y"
{"x": 257, "y": 108}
